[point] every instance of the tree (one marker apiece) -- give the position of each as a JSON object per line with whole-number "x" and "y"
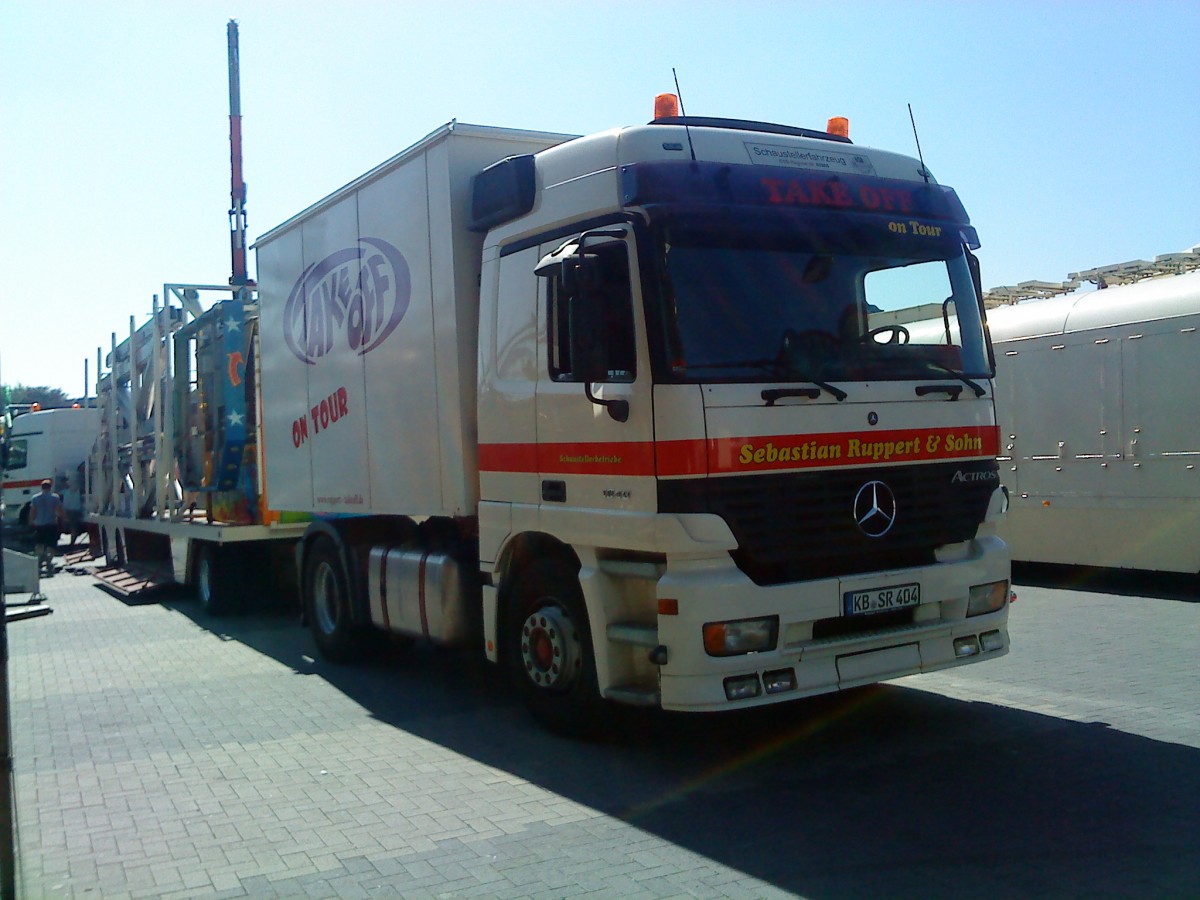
{"x": 48, "y": 397}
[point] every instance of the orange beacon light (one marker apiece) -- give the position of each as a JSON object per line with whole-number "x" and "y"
{"x": 666, "y": 106}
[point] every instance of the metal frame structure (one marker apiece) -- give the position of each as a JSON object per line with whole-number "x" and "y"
{"x": 139, "y": 483}
{"x": 1102, "y": 276}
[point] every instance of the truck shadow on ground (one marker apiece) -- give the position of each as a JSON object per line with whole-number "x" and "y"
{"x": 1122, "y": 582}
{"x": 884, "y": 791}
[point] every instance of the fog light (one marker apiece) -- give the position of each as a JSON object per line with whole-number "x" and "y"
{"x": 740, "y": 636}
{"x": 779, "y": 681}
{"x": 966, "y": 646}
{"x": 743, "y": 687}
{"x": 987, "y": 598}
{"x": 991, "y": 640}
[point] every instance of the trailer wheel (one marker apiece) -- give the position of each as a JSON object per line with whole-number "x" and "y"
{"x": 327, "y": 602}
{"x": 550, "y": 654}
{"x": 214, "y": 582}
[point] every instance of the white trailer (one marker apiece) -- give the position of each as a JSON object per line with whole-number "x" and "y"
{"x": 49, "y": 444}
{"x": 640, "y": 413}
{"x": 1095, "y": 396}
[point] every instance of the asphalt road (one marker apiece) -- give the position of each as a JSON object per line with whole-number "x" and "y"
{"x": 159, "y": 752}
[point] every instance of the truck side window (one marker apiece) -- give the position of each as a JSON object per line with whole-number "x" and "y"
{"x": 18, "y": 454}
{"x": 617, "y": 300}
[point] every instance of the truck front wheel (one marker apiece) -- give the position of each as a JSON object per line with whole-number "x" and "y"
{"x": 327, "y": 602}
{"x": 550, "y": 650}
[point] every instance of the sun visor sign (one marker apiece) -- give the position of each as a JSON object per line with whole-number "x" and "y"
{"x": 809, "y": 158}
{"x": 354, "y": 297}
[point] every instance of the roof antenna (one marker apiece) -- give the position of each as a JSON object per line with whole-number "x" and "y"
{"x": 924, "y": 171}
{"x": 686, "y": 129}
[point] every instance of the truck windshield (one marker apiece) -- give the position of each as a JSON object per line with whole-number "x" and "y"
{"x": 824, "y": 297}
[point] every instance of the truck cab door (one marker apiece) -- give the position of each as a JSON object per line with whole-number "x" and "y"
{"x": 594, "y": 412}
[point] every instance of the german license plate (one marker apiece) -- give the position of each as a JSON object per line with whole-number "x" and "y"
{"x": 898, "y": 596}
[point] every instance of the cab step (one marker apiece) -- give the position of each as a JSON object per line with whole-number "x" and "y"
{"x": 633, "y": 633}
{"x": 634, "y": 695}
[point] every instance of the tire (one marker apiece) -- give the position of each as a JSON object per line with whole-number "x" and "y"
{"x": 214, "y": 581}
{"x": 550, "y": 657}
{"x": 327, "y": 603}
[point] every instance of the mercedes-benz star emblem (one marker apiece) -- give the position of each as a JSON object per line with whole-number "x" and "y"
{"x": 875, "y": 509}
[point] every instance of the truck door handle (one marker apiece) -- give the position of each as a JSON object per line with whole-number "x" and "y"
{"x": 554, "y": 491}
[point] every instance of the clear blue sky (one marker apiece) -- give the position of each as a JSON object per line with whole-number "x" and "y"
{"x": 1070, "y": 129}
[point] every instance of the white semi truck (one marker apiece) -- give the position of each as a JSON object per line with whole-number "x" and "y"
{"x": 44, "y": 445}
{"x": 638, "y": 412}
{"x": 1101, "y": 434}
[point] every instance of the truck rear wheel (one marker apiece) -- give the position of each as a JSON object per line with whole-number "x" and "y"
{"x": 215, "y": 587}
{"x": 327, "y": 602}
{"x": 550, "y": 654}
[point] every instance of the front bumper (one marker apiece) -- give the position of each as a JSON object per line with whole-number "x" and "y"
{"x": 802, "y": 664}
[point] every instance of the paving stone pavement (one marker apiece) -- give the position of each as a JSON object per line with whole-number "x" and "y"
{"x": 162, "y": 753}
{"x": 156, "y": 755}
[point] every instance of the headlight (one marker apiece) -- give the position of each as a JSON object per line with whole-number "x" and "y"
{"x": 987, "y": 598}
{"x": 740, "y": 636}
{"x": 743, "y": 687}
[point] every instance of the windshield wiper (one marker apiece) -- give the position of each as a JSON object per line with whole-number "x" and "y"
{"x": 924, "y": 389}
{"x": 773, "y": 394}
{"x": 795, "y": 345}
{"x": 780, "y": 370}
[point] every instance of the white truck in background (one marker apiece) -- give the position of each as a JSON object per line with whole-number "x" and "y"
{"x": 1100, "y": 431}
{"x": 46, "y": 444}
{"x": 637, "y": 412}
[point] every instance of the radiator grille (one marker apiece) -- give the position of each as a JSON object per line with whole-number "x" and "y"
{"x": 800, "y": 526}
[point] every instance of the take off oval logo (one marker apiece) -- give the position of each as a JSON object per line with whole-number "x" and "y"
{"x": 357, "y": 295}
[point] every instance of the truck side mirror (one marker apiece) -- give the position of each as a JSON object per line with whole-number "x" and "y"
{"x": 589, "y": 348}
{"x": 578, "y": 278}
{"x": 589, "y": 356}
{"x": 573, "y": 274}
{"x": 976, "y": 276}
{"x": 579, "y": 284}
{"x": 977, "y": 279}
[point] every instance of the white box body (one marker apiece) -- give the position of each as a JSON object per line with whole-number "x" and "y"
{"x": 369, "y": 321}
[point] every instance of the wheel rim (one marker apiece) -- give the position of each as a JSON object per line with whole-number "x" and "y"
{"x": 550, "y": 650}
{"x": 326, "y": 598}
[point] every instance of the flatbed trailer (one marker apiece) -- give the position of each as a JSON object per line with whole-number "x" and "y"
{"x": 177, "y": 497}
